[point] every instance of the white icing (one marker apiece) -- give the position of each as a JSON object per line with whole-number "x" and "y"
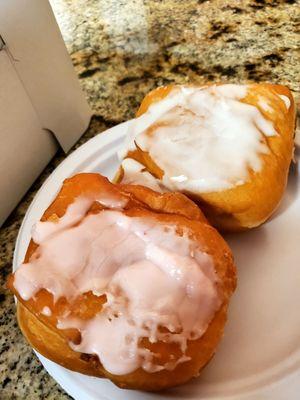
{"x": 134, "y": 173}
{"x": 46, "y": 311}
{"x": 286, "y": 100}
{"x": 152, "y": 278}
{"x": 204, "y": 139}
{"x": 264, "y": 104}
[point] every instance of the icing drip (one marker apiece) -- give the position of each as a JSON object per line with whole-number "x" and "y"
{"x": 46, "y": 311}
{"x": 135, "y": 174}
{"x": 286, "y": 100}
{"x": 264, "y": 104}
{"x": 204, "y": 139}
{"x": 159, "y": 286}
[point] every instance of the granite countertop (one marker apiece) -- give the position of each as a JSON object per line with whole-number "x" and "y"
{"x": 121, "y": 49}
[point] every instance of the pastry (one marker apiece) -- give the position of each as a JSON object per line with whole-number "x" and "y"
{"x": 123, "y": 282}
{"x": 228, "y": 147}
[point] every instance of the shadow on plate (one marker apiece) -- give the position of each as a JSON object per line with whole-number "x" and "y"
{"x": 292, "y": 188}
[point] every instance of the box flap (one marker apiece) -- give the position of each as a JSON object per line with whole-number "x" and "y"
{"x": 44, "y": 67}
{"x": 26, "y": 147}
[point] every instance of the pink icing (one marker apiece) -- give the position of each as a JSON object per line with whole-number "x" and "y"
{"x": 151, "y": 276}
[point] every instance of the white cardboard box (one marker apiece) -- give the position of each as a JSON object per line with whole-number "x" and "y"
{"x": 41, "y": 104}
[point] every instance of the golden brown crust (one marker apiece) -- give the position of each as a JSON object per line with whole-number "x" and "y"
{"x": 52, "y": 345}
{"x": 41, "y": 331}
{"x": 248, "y": 205}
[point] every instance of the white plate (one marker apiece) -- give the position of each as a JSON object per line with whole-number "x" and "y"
{"x": 259, "y": 357}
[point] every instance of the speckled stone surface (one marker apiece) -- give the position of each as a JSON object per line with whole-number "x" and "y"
{"x": 121, "y": 49}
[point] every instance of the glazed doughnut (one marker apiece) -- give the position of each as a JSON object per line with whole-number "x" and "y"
{"x": 228, "y": 147}
{"x": 123, "y": 282}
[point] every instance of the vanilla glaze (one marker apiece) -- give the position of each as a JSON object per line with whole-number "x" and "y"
{"x": 134, "y": 173}
{"x": 286, "y": 100}
{"x": 204, "y": 139}
{"x": 152, "y": 279}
